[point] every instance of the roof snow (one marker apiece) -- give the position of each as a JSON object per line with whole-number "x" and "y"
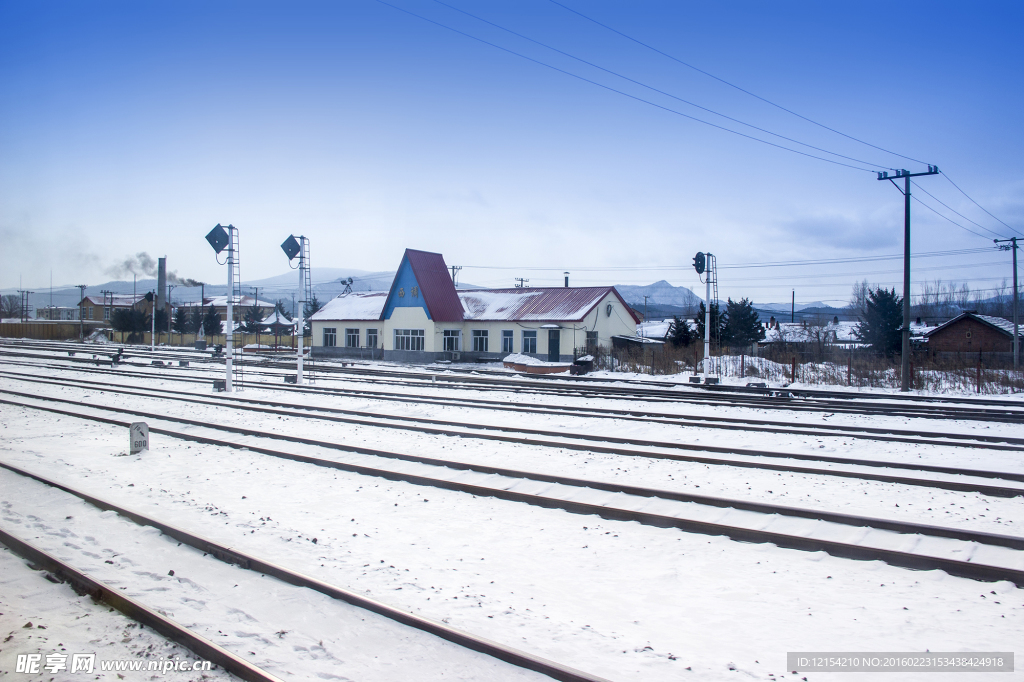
{"x": 358, "y": 305}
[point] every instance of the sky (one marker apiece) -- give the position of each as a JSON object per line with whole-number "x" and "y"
{"x": 371, "y": 127}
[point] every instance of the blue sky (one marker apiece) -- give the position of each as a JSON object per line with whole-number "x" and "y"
{"x": 128, "y": 127}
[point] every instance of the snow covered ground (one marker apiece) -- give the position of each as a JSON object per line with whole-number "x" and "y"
{"x": 620, "y": 600}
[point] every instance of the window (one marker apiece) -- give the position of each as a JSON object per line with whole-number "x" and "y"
{"x": 330, "y": 336}
{"x": 352, "y": 338}
{"x": 106, "y": 313}
{"x": 451, "y": 339}
{"x": 591, "y": 342}
{"x": 529, "y": 342}
{"x": 371, "y": 338}
{"x": 408, "y": 339}
{"x": 480, "y": 340}
{"x": 506, "y": 340}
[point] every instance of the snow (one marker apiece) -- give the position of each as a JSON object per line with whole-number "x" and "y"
{"x": 654, "y": 330}
{"x": 530, "y": 304}
{"x": 621, "y": 600}
{"x": 354, "y": 306}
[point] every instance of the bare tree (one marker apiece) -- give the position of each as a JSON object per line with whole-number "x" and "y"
{"x": 962, "y": 296}
{"x": 10, "y": 305}
{"x": 859, "y": 297}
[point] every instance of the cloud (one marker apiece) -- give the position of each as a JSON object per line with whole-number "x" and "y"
{"x": 144, "y": 264}
{"x": 842, "y": 231}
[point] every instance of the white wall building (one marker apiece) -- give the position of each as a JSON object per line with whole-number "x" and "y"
{"x": 424, "y": 318}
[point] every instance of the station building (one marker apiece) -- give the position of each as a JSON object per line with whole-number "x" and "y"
{"x": 423, "y": 318}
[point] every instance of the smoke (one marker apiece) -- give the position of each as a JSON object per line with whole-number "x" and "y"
{"x": 143, "y": 264}
{"x": 172, "y": 278}
{"x": 139, "y": 264}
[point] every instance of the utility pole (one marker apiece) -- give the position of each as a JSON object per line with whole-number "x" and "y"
{"x": 455, "y": 272}
{"x": 1016, "y": 328}
{"x": 170, "y": 311}
{"x": 645, "y": 307}
{"x": 23, "y": 304}
{"x": 152, "y": 322}
{"x": 522, "y": 283}
{"x": 107, "y": 312}
{"x": 81, "y": 311}
{"x": 906, "y": 175}
{"x": 792, "y": 308}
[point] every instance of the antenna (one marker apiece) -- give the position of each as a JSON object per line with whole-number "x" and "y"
{"x": 522, "y": 283}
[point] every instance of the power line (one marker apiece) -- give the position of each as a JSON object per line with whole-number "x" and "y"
{"x": 948, "y": 218}
{"x": 954, "y": 210}
{"x": 733, "y": 85}
{"x": 657, "y": 90}
{"x": 621, "y": 92}
{"x": 977, "y": 204}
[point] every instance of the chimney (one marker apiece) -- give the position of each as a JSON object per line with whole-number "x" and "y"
{"x": 567, "y": 280}
{"x": 161, "y": 281}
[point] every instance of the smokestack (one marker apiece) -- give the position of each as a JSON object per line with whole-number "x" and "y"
{"x": 161, "y": 281}
{"x": 567, "y": 280}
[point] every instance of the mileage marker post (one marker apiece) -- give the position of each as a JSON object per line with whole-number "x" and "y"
{"x": 900, "y": 661}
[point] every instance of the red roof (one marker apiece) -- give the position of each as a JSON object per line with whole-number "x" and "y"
{"x": 537, "y": 303}
{"x": 436, "y": 284}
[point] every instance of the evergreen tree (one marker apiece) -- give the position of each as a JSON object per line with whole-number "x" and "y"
{"x": 717, "y": 322}
{"x": 253, "y": 318}
{"x": 180, "y": 323}
{"x": 282, "y": 307}
{"x": 311, "y": 307}
{"x": 161, "y": 320}
{"x": 195, "y": 320}
{"x": 679, "y": 333}
{"x": 742, "y": 326}
{"x": 881, "y": 322}
{"x": 211, "y": 322}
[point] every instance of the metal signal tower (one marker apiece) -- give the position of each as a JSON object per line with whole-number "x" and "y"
{"x": 706, "y": 264}
{"x": 905, "y": 353}
{"x": 292, "y": 247}
{"x": 219, "y": 238}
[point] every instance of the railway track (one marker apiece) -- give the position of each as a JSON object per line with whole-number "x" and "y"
{"x": 883, "y": 434}
{"x": 961, "y": 479}
{"x": 255, "y": 564}
{"x": 990, "y": 557}
{"x": 843, "y": 402}
{"x": 556, "y": 439}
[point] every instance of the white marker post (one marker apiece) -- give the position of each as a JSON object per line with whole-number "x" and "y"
{"x": 229, "y": 323}
{"x": 138, "y": 437}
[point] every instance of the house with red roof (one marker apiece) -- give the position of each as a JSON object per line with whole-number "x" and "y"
{"x": 424, "y": 318}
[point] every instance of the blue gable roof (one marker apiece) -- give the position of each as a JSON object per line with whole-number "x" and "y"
{"x": 405, "y": 292}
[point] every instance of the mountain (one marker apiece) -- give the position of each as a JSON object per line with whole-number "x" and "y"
{"x": 659, "y": 294}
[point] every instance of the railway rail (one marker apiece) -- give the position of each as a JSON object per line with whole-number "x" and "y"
{"x": 961, "y": 481}
{"x": 238, "y": 557}
{"x": 1000, "y": 555}
{"x": 932, "y": 407}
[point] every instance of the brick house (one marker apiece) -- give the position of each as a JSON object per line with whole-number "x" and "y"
{"x": 972, "y": 333}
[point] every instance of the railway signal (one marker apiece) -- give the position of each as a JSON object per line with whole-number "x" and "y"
{"x": 221, "y": 237}
{"x": 293, "y": 247}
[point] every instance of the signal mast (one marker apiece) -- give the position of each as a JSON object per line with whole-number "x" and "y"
{"x": 706, "y": 264}
{"x": 292, "y": 247}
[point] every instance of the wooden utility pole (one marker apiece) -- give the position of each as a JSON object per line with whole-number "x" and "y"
{"x": 906, "y": 175}
{"x": 1016, "y": 328}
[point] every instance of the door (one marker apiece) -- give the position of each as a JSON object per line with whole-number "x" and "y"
{"x": 553, "y": 336}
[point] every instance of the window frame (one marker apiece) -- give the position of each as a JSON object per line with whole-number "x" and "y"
{"x": 349, "y": 335}
{"x": 409, "y": 339}
{"x": 508, "y": 337}
{"x": 455, "y": 335}
{"x": 480, "y": 340}
{"x": 371, "y": 333}
{"x": 529, "y": 341}
{"x": 330, "y": 334}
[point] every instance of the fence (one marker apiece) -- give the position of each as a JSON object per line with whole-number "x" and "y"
{"x": 47, "y": 331}
{"x": 831, "y": 366}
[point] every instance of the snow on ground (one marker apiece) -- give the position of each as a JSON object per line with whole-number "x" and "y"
{"x": 621, "y": 600}
{"x": 38, "y": 616}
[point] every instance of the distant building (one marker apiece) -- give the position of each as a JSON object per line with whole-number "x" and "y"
{"x": 103, "y": 307}
{"x": 972, "y": 333}
{"x": 424, "y": 318}
{"x": 57, "y": 313}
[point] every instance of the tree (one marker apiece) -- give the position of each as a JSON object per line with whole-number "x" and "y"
{"x": 130, "y": 321}
{"x": 181, "y": 321}
{"x": 881, "y": 322}
{"x": 211, "y": 322}
{"x": 10, "y": 305}
{"x": 717, "y": 323}
{"x": 282, "y": 307}
{"x": 679, "y": 333}
{"x": 195, "y": 320}
{"x": 252, "y": 319}
{"x": 742, "y": 326}
{"x": 859, "y": 297}
{"x": 311, "y": 307}
{"x": 161, "y": 320}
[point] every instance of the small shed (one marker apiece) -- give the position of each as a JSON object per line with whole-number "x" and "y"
{"x": 970, "y": 332}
